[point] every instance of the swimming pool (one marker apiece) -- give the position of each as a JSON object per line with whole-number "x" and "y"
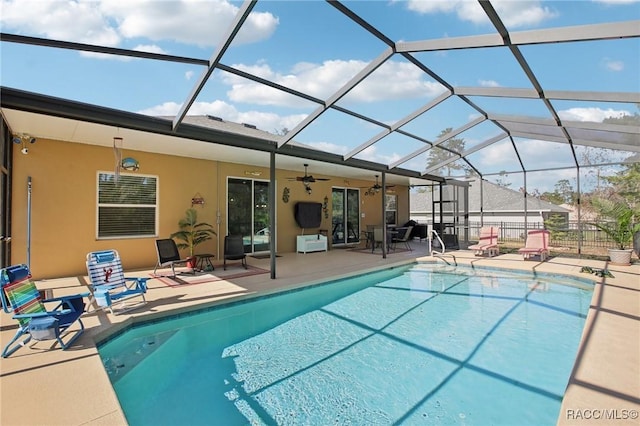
{"x": 421, "y": 344}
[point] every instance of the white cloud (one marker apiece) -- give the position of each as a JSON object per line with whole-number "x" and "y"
{"x": 328, "y": 147}
{"x": 497, "y": 154}
{"x": 596, "y": 115}
{"x": 188, "y": 75}
{"x": 269, "y": 122}
{"x": 69, "y": 20}
{"x": 109, "y": 22}
{"x": 514, "y": 14}
{"x": 150, "y": 48}
{"x": 196, "y": 22}
{"x": 393, "y": 80}
{"x": 616, "y": 2}
{"x": 488, "y": 83}
{"x": 613, "y": 65}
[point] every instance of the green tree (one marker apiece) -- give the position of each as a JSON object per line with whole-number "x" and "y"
{"x": 563, "y": 193}
{"x": 618, "y": 204}
{"x": 625, "y": 186}
{"x": 443, "y": 152}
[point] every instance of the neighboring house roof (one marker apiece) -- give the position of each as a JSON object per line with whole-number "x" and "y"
{"x": 495, "y": 198}
{"x": 218, "y": 123}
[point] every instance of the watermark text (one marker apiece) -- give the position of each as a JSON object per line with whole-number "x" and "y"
{"x": 601, "y": 414}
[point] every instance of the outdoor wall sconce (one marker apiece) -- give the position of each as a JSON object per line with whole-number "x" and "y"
{"x": 23, "y": 139}
{"x": 197, "y": 200}
{"x": 285, "y": 195}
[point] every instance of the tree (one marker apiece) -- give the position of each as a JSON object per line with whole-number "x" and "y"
{"x": 442, "y": 153}
{"x": 502, "y": 180}
{"x": 281, "y": 132}
{"x": 595, "y": 156}
{"x": 620, "y": 200}
{"x": 626, "y": 186}
{"x": 562, "y": 194}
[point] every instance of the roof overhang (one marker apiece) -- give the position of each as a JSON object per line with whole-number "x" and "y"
{"x": 47, "y": 117}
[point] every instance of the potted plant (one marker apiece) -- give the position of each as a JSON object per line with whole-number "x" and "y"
{"x": 620, "y": 228}
{"x": 192, "y": 233}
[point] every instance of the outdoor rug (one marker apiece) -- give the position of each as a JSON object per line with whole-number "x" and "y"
{"x": 263, "y": 256}
{"x": 218, "y": 274}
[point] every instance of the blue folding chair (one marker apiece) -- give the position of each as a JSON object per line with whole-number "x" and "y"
{"x": 20, "y": 297}
{"x": 109, "y": 286}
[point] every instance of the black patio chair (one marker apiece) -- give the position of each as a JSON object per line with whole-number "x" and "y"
{"x": 234, "y": 250}
{"x": 168, "y": 255}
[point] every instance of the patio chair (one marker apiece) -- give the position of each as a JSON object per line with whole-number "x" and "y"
{"x": 234, "y": 250}
{"x": 20, "y": 297}
{"x": 403, "y": 237}
{"x": 537, "y": 244}
{"x": 488, "y": 242}
{"x": 109, "y": 286}
{"x": 378, "y": 236}
{"x": 168, "y": 256}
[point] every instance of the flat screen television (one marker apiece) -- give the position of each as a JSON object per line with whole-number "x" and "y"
{"x": 308, "y": 214}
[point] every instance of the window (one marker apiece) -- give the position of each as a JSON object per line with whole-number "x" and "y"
{"x": 391, "y": 201}
{"x": 128, "y": 207}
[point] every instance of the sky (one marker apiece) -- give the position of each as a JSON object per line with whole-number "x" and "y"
{"x": 311, "y": 47}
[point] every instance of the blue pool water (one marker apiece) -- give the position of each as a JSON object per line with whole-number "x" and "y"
{"x": 422, "y": 344}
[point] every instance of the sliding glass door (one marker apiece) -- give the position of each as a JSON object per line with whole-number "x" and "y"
{"x": 345, "y": 220}
{"x": 248, "y": 213}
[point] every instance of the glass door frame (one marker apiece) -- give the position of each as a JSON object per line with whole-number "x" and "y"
{"x": 253, "y": 234}
{"x": 6, "y": 154}
{"x": 350, "y": 235}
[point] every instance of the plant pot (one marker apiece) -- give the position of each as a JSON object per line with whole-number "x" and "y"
{"x": 620, "y": 257}
{"x": 192, "y": 261}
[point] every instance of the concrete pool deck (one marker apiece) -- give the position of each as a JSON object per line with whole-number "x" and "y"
{"x": 54, "y": 387}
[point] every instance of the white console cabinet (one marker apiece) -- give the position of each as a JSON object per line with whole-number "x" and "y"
{"x": 310, "y": 243}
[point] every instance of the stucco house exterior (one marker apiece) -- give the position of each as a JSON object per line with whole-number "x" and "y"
{"x": 58, "y": 209}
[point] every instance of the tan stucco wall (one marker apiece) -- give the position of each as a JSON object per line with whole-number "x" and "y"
{"x": 63, "y": 214}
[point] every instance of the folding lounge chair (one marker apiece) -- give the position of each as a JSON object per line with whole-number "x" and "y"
{"x": 488, "y": 241}
{"x": 234, "y": 250}
{"x": 537, "y": 244}
{"x": 168, "y": 255}
{"x": 21, "y": 298}
{"x": 109, "y": 285}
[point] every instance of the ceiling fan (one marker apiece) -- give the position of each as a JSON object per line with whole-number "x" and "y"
{"x": 307, "y": 179}
{"x": 375, "y": 188}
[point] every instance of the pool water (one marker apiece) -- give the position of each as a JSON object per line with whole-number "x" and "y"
{"x": 422, "y": 344}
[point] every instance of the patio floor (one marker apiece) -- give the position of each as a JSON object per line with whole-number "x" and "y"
{"x": 41, "y": 386}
